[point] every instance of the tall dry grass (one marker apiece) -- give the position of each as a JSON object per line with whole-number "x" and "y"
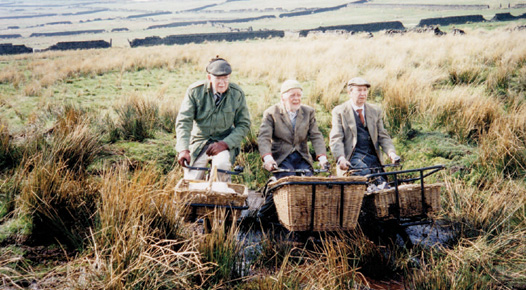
{"x": 464, "y": 112}
{"x": 61, "y": 203}
{"x": 137, "y": 118}
{"x": 140, "y": 242}
{"x": 10, "y": 153}
{"x": 503, "y": 146}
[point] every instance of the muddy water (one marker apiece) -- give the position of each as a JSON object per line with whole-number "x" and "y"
{"x": 426, "y": 235}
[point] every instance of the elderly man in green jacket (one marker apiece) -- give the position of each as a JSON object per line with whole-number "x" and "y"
{"x": 212, "y": 121}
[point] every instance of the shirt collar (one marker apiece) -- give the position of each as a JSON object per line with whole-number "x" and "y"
{"x": 357, "y": 108}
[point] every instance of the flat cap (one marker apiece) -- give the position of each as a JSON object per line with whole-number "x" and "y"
{"x": 289, "y": 85}
{"x": 357, "y": 81}
{"x": 218, "y": 67}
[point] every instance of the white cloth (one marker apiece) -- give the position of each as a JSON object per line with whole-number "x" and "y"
{"x": 221, "y": 160}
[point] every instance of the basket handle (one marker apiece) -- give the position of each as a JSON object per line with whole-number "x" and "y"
{"x": 212, "y": 178}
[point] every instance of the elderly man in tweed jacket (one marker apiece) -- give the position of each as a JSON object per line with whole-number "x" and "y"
{"x": 285, "y": 131}
{"x": 358, "y": 132}
{"x": 283, "y": 139}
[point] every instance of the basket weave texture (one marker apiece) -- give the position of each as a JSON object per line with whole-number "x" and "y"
{"x": 410, "y": 201}
{"x": 207, "y": 196}
{"x": 294, "y": 203}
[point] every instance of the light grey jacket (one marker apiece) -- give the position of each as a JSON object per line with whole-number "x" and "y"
{"x": 343, "y": 136}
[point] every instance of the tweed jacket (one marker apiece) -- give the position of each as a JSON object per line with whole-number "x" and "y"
{"x": 277, "y": 137}
{"x": 343, "y": 136}
{"x": 200, "y": 120}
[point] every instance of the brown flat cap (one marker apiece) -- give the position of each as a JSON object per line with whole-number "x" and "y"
{"x": 357, "y": 81}
{"x": 218, "y": 67}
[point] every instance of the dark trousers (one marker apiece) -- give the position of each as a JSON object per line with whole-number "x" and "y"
{"x": 366, "y": 162}
{"x": 369, "y": 163}
{"x": 267, "y": 212}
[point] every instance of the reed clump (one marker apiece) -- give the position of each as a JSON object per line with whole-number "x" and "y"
{"x": 61, "y": 203}
{"x": 10, "y": 153}
{"x": 502, "y": 147}
{"x": 464, "y": 113}
{"x": 140, "y": 241}
{"x": 137, "y": 117}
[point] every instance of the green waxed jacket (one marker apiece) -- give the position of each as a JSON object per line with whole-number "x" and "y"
{"x": 200, "y": 120}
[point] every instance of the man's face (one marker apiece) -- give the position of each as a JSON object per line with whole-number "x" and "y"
{"x": 219, "y": 83}
{"x": 358, "y": 94}
{"x": 292, "y": 99}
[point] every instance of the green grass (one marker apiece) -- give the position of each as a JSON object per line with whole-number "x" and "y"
{"x": 159, "y": 151}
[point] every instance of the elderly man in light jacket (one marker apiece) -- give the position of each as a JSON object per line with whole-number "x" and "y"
{"x": 285, "y": 131}
{"x": 283, "y": 139}
{"x": 358, "y": 132}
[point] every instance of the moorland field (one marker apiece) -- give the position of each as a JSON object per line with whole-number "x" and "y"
{"x": 87, "y": 163}
{"x": 119, "y": 21}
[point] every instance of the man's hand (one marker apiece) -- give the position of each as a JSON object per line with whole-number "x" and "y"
{"x": 343, "y": 164}
{"x": 184, "y": 156}
{"x": 216, "y": 148}
{"x": 394, "y": 158}
{"x": 324, "y": 163}
{"x": 270, "y": 165}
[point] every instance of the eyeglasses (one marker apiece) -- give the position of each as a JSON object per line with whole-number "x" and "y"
{"x": 221, "y": 78}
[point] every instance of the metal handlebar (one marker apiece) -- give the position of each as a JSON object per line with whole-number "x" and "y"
{"x": 303, "y": 171}
{"x": 356, "y": 169}
{"x": 237, "y": 170}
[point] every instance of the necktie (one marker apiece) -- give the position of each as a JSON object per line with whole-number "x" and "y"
{"x": 217, "y": 97}
{"x": 359, "y": 111}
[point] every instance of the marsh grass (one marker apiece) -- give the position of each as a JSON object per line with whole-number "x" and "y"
{"x": 73, "y": 141}
{"x": 503, "y": 147}
{"x": 474, "y": 264}
{"x": 137, "y": 117}
{"x": 12, "y": 76}
{"x": 10, "y": 153}
{"x": 464, "y": 113}
{"x": 61, "y": 204}
{"x": 141, "y": 242}
{"x": 223, "y": 251}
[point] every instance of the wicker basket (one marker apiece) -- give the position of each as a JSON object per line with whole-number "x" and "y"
{"x": 410, "y": 201}
{"x": 185, "y": 193}
{"x": 294, "y": 202}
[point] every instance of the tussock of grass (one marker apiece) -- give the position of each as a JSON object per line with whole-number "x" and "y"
{"x": 10, "y": 153}
{"x": 60, "y": 202}
{"x": 137, "y": 117}
{"x": 503, "y": 147}
{"x": 464, "y": 113}
{"x": 141, "y": 243}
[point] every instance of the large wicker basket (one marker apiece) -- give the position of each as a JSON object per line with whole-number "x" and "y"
{"x": 337, "y": 202}
{"x": 201, "y": 199}
{"x": 410, "y": 205}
